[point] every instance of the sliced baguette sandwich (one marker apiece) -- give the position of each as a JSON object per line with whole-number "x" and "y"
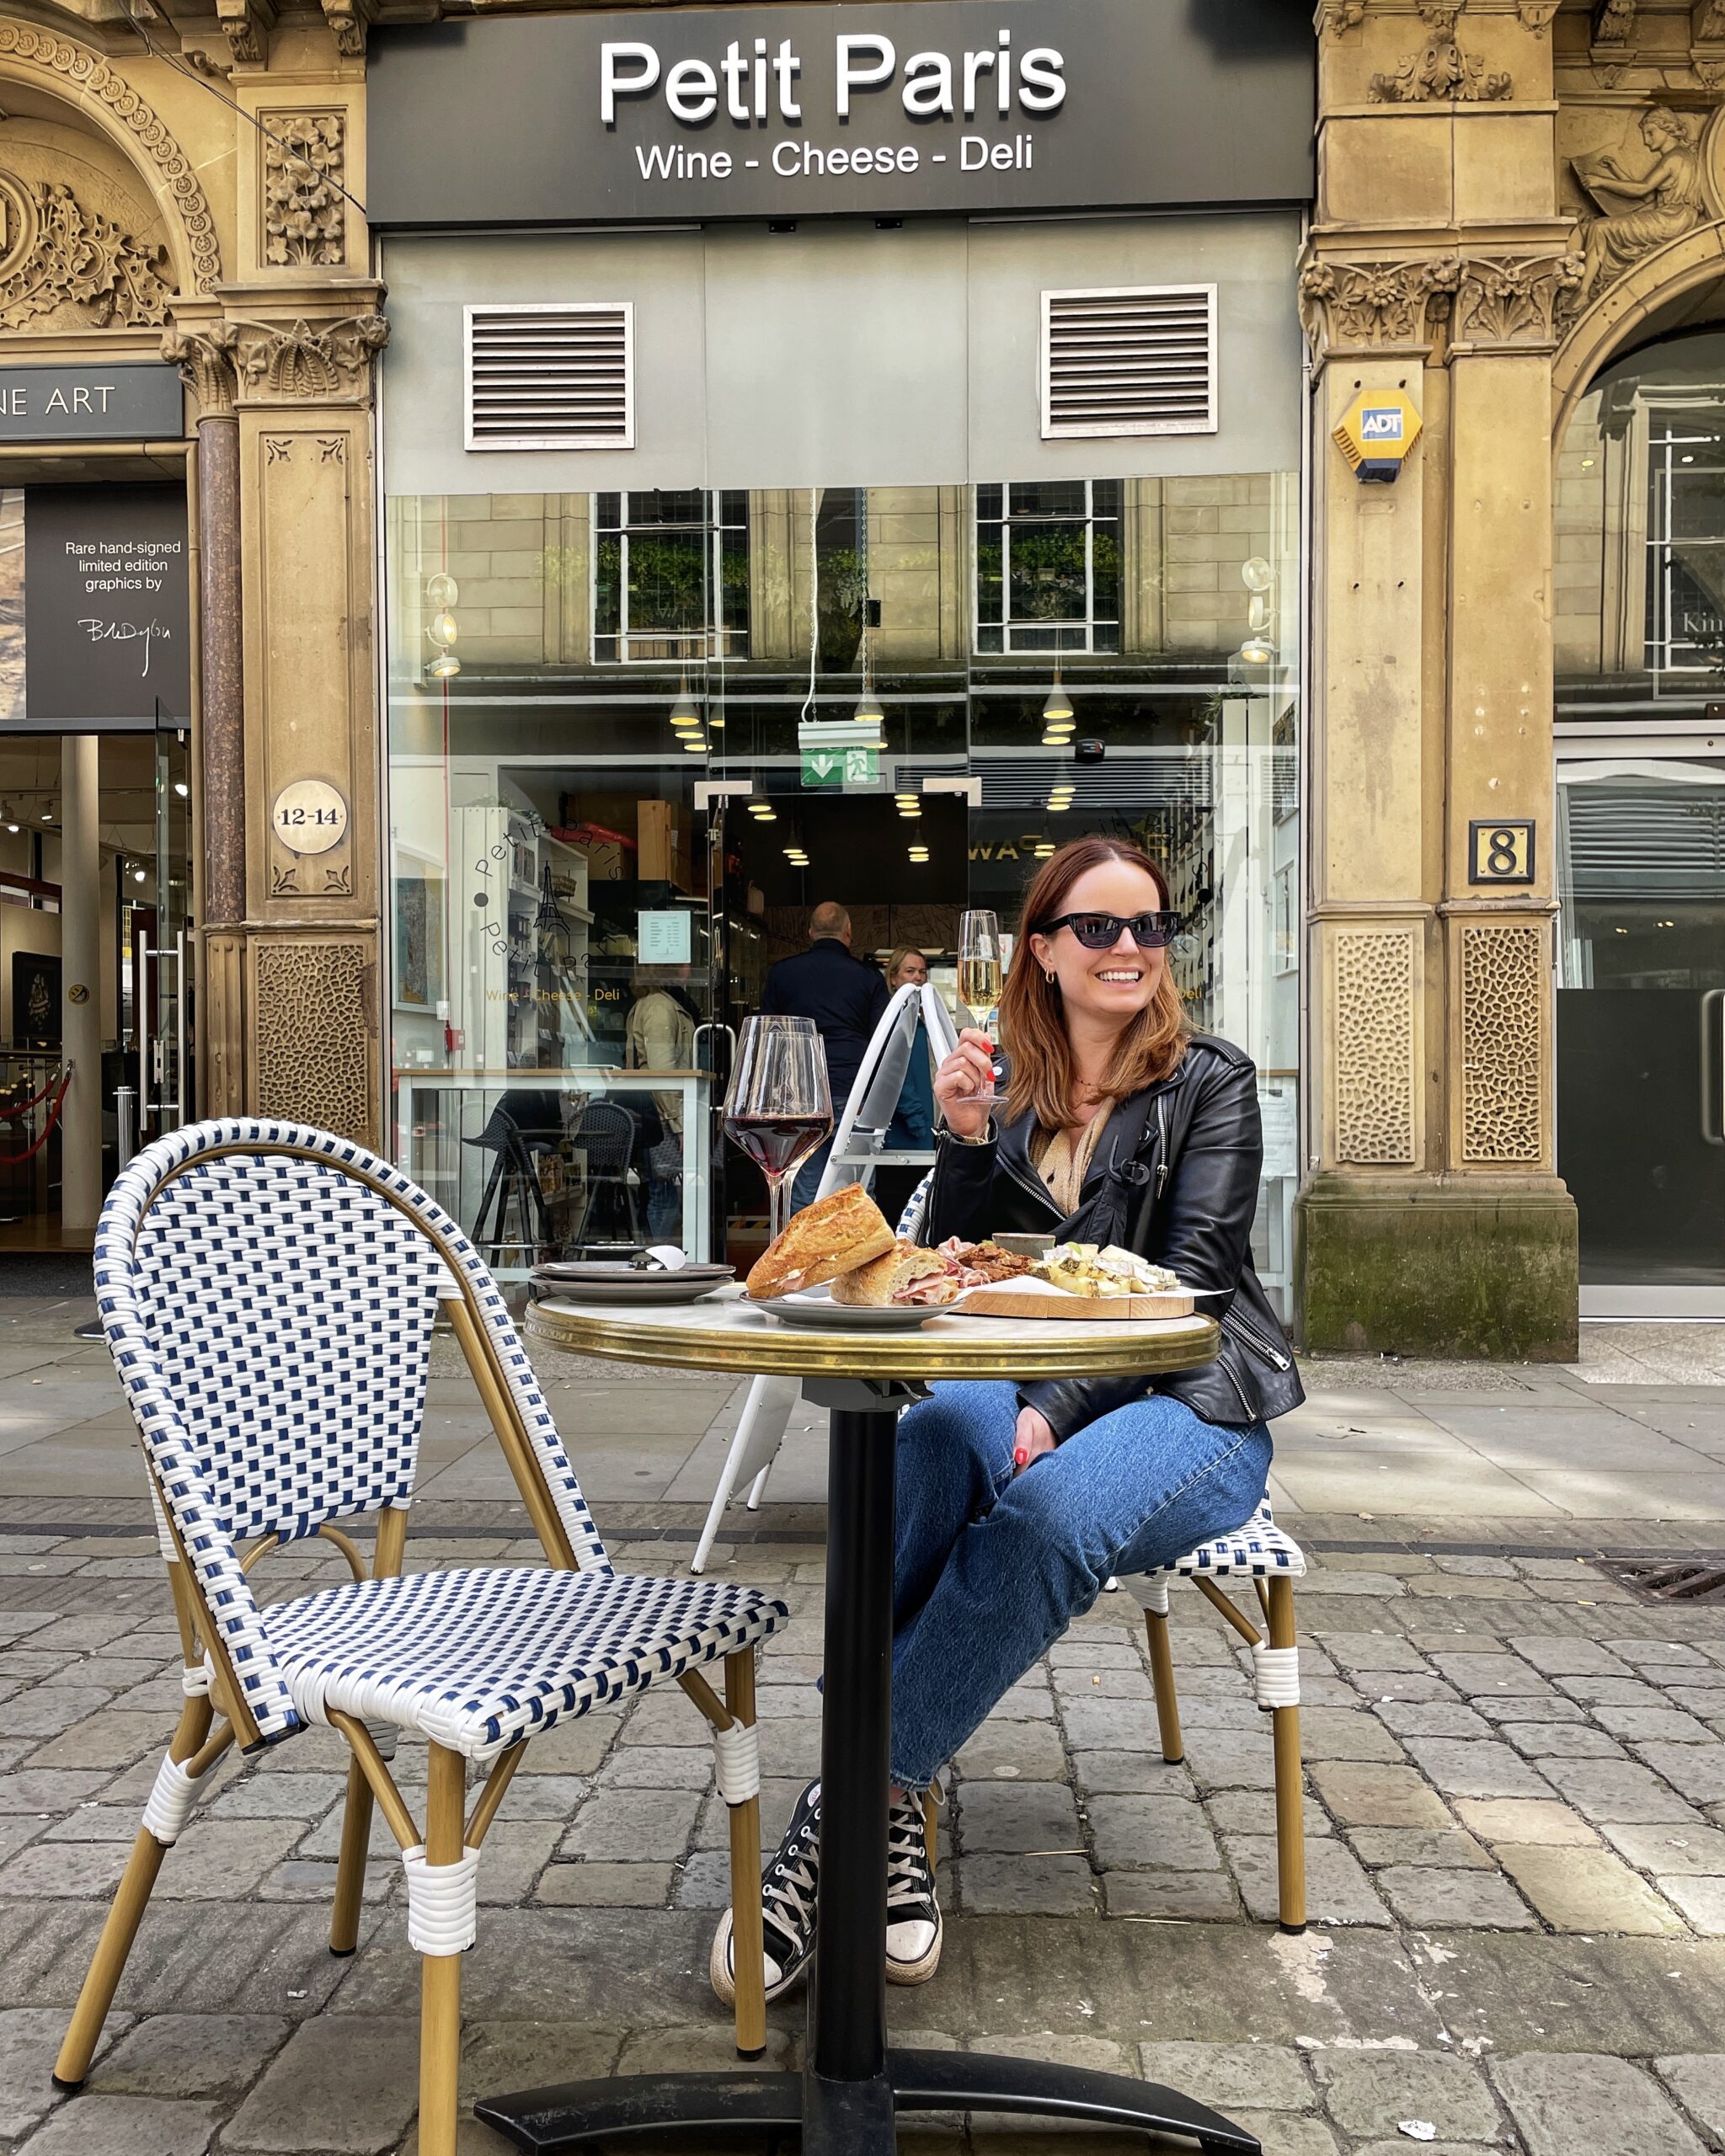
{"x": 834, "y": 1236}
{"x": 905, "y": 1274}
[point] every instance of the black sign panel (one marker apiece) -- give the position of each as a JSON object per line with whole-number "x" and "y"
{"x": 107, "y": 611}
{"x": 136, "y": 401}
{"x": 915, "y": 105}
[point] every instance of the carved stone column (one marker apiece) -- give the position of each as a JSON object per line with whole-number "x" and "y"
{"x": 202, "y": 344}
{"x": 303, "y": 358}
{"x": 1433, "y": 1223}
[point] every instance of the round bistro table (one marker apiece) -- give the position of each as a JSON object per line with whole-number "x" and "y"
{"x": 852, "y": 2086}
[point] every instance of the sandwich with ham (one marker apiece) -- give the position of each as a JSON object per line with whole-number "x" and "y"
{"x": 913, "y": 1277}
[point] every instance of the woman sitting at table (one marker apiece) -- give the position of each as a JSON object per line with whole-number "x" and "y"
{"x": 1116, "y": 1124}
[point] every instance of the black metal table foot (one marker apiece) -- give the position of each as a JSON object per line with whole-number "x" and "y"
{"x": 640, "y": 2106}
{"x": 974, "y": 2081}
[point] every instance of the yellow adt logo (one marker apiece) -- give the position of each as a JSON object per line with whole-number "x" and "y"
{"x": 1377, "y": 432}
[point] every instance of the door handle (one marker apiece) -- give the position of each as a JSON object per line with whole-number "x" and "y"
{"x": 1713, "y": 1066}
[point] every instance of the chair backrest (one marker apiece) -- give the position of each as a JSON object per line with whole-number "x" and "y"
{"x": 606, "y": 1130}
{"x": 268, "y": 1293}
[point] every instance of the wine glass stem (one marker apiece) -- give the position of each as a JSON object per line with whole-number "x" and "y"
{"x": 776, "y": 1206}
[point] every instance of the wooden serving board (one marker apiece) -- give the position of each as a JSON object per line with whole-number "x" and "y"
{"x": 1016, "y": 1299}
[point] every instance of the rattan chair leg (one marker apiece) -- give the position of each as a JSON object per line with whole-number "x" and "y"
{"x": 102, "y": 1981}
{"x": 1291, "y": 1824}
{"x": 747, "y": 1948}
{"x": 1162, "y": 1679}
{"x": 350, "y": 1866}
{"x": 441, "y": 1974}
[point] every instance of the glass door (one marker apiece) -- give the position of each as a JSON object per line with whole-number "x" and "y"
{"x": 1641, "y": 1030}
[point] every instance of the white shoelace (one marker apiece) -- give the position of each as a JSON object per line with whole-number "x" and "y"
{"x": 907, "y": 1856}
{"x": 789, "y": 1888}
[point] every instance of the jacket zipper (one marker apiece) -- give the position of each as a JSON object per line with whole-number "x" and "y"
{"x": 1161, "y": 1132}
{"x": 1254, "y": 1339}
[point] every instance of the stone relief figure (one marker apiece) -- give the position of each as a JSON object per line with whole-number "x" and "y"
{"x": 1669, "y": 193}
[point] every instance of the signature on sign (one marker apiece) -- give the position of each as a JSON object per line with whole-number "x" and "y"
{"x": 100, "y": 632}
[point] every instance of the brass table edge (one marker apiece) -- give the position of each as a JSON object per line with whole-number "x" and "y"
{"x": 778, "y": 1352}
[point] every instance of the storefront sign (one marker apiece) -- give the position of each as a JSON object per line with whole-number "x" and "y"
{"x": 1500, "y": 852}
{"x": 915, "y": 105}
{"x": 309, "y": 816}
{"x": 104, "y": 614}
{"x": 663, "y": 938}
{"x": 133, "y": 402}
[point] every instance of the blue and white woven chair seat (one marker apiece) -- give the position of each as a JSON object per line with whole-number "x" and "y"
{"x": 1257, "y": 1550}
{"x": 477, "y": 1659}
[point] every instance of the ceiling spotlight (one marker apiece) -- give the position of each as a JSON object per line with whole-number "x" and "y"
{"x": 445, "y": 667}
{"x": 1257, "y": 650}
{"x": 919, "y": 854}
{"x": 48, "y": 815}
{"x": 11, "y": 827}
{"x": 137, "y": 875}
{"x": 442, "y": 591}
{"x": 442, "y": 629}
{"x": 181, "y": 789}
{"x": 1257, "y": 574}
{"x": 1058, "y": 710}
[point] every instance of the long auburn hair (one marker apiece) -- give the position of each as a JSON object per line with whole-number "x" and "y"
{"x": 1033, "y": 1022}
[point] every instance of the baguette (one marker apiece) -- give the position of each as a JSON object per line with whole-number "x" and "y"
{"x": 879, "y": 1281}
{"x": 837, "y": 1233}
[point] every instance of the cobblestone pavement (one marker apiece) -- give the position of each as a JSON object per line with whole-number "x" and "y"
{"x": 1516, "y": 1814}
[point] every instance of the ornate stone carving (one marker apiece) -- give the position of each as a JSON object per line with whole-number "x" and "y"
{"x": 1536, "y": 14}
{"x": 1706, "y": 23}
{"x": 305, "y": 213}
{"x": 247, "y": 25}
{"x": 1440, "y": 69}
{"x": 330, "y": 360}
{"x": 1614, "y": 23}
{"x": 349, "y": 21}
{"x": 1507, "y": 301}
{"x": 205, "y": 358}
{"x": 1371, "y": 304}
{"x": 1336, "y": 18}
{"x": 312, "y": 1043}
{"x": 1668, "y": 196}
{"x": 74, "y": 70}
{"x": 58, "y": 260}
{"x": 1502, "y": 995}
{"x": 1372, "y": 991}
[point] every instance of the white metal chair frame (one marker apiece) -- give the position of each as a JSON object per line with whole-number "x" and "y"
{"x": 236, "y": 1429}
{"x": 858, "y": 1140}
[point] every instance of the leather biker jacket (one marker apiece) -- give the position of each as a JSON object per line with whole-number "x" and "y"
{"x": 1175, "y": 1177}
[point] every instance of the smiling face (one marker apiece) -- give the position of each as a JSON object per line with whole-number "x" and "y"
{"x": 1110, "y": 986}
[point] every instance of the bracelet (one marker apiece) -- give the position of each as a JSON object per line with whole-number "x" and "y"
{"x": 958, "y": 1138}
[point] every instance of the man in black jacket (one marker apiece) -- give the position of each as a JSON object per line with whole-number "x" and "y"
{"x": 845, "y": 998}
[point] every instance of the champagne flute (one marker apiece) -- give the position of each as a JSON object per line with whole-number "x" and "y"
{"x": 777, "y": 1108}
{"x": 981, "y": 975}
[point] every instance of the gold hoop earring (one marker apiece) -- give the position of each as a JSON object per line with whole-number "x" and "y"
{"x": 1049, "y": 976}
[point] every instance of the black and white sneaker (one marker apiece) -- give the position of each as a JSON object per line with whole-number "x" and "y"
{"x": 913, "y": 1928}
{"x": 787, "y": 1896}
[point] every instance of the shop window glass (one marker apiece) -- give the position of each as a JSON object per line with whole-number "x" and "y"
{"x": 577, "y": 933}
{"x": 670, "y": 575}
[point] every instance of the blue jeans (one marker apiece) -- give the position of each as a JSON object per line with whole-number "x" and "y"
{"x": 991, "y": 1568}
{"x": 805, "y": 1184}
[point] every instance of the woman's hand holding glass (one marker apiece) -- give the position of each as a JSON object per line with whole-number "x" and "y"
{"x": 964, "y": 1085}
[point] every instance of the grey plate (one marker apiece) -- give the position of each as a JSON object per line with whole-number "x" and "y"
{"x": 622, "y": 1283}
{"x": 816, "y": 1308}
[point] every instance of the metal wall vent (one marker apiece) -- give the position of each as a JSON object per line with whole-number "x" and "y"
{"x": 554, "y": 376}
{"x": 1129, "y": 361}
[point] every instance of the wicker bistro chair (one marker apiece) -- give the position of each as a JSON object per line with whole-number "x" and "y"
{"x": 268, "y": 1293}
{"x": 1272, "y": 1561}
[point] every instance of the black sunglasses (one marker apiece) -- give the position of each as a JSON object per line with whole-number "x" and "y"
{"x": 1101, "y": 931}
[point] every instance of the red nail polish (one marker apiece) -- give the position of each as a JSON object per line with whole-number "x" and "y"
{"x": 1021, "y": 1456}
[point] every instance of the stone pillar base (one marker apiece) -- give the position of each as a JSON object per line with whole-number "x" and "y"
{"x": 1463, "y": 1266}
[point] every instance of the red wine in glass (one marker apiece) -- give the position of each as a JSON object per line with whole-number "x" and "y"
{"x": 776, "y": 1143}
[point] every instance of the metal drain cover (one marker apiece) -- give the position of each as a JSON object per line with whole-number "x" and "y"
{"x": 1672, "y": 1579}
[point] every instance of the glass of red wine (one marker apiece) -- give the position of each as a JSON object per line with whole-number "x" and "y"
{"x": 778, "y": 1107}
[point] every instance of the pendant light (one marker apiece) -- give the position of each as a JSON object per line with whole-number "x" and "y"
{"x": 684, "y": 714}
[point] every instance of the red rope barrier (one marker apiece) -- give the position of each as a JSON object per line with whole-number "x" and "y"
{"x": 23, "y": 1108}
{"x": 18, "y": 1160}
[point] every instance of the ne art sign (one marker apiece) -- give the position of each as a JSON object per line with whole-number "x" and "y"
{"x": 135, "y": 401}
{"x": 925, "y": 106}
{"x": 95, "y": 612}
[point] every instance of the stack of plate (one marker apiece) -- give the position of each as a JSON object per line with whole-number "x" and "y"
{"x": 595, "y": 1282}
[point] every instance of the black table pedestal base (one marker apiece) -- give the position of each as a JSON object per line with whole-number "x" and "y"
{"x": 832, "y": 2117}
